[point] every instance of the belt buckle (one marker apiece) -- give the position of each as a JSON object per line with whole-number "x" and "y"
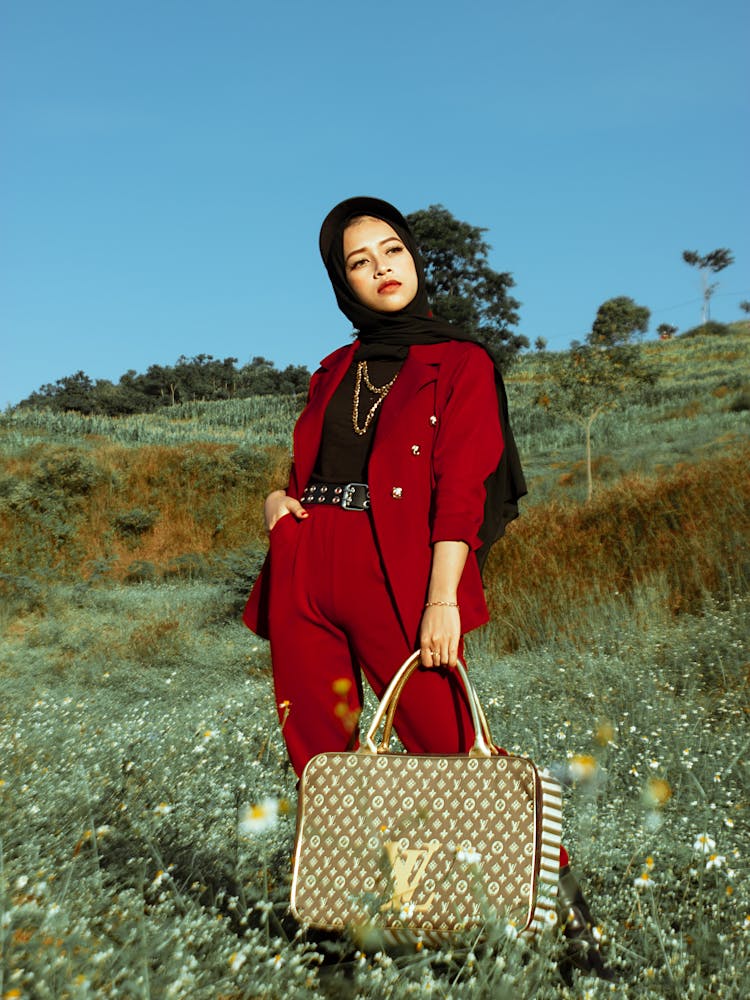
{"x": 347, "y": 500}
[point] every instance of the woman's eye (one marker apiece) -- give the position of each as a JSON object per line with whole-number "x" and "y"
{"x": 357, "y": 263}
{"x": 394, "y": 249}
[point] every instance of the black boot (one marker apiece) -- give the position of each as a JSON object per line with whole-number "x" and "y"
{"x": 578, "y": 927}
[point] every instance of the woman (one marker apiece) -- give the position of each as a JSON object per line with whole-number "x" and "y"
{"x": 411, "y": 409}
{"x": 404, "y": 473}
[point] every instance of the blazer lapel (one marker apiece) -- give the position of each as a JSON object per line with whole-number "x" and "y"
{"x": 309, "y": 429}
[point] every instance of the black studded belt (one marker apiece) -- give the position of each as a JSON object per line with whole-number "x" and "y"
{"x": 348, "y": 496}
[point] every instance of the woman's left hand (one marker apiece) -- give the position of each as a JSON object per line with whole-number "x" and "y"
{"x": 439, "y": 636}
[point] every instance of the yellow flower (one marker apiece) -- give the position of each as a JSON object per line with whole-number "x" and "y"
{"x": 605, "y": 733}
{"x": 582, "y": 767}
{"x": 657, "y": 792}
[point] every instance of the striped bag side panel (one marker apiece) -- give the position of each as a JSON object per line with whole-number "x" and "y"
{"x": 545, "y": 910}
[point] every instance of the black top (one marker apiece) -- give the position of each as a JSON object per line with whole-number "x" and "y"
{"x": 344, "y": 455}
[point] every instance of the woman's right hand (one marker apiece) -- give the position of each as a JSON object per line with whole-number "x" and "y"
{"x": 278, "y": 505}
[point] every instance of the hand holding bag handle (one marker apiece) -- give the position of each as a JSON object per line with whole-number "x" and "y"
{"x": 483, "y": 745}
{"x": 405, "y": 674}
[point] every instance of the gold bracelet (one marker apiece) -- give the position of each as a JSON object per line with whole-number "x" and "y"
{"x": 441, "y": 604}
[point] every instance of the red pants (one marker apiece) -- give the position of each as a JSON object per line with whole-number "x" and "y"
{"x": 332, "y": 619}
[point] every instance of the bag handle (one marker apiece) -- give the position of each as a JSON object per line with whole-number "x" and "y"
{"x": 384, "y": 744}
{"x": 483, "y": 745}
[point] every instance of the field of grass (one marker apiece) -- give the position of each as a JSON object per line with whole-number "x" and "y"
{"x": 137, "y": 723}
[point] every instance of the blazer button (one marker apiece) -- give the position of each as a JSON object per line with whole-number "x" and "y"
{"x": 433, "y": 419}
{"x": 415, "y": 449}
{"x": 397, "y": 492}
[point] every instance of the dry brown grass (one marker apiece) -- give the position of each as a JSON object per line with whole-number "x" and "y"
{"x": 203, "y": 501}
{"x": 689, "y": 529}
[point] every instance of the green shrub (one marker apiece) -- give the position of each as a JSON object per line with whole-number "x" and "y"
{"x": 189, "y": 566}
{"x": 710, "y": 329}
{"x": 141, "y": 571}
{"x": 20, "y": 595}
{"x": 238, "y": 570}
{"x": 136, "y": 522}
{"x": 67, "y": 471}
{"x": 741, "y": 403}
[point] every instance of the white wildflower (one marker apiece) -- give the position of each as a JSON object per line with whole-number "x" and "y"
{"x": 704, "y": 844}
{"x": 237, "y": 960}
{"x": 259, "y": 817}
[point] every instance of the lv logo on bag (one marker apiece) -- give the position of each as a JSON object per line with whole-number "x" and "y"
{"x": 408, "y": 867}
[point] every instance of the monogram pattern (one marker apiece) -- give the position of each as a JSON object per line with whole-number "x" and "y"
{"x": 425, "y": 844}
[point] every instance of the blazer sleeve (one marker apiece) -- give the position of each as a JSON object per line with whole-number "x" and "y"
{"x": 467, "y": 447}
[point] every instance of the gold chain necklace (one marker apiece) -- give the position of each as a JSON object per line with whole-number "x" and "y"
{"x": 380, "y": 391}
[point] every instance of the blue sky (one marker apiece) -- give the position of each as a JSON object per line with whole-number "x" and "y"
{"x": 165, "y": 166}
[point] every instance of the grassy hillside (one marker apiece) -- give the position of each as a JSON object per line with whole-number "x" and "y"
{"x": 137, "y": 721}
{"x": 180, "y": 494}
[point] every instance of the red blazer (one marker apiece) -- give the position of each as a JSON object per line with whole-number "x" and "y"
{"x": 436, "y": 440}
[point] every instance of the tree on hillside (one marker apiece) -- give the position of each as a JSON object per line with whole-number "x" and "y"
{"x": 205, "y": 377}
{"x": 714, "y": 262}
{"x": 462, "y": 287}
{"x": 158, "y": 385}
{"x": 745, "y": 306}
{"x": 72, "y": 392}
{"x": 666, "y": 331}
{"x": 617, "y": 321}
{"x": 202, "y": 377}
{"x": 591, "y": 379}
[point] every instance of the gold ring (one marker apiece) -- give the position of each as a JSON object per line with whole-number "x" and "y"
{"x": 435, "y": 652}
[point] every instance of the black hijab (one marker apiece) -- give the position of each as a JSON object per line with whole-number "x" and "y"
{"x": 390, "y": 335}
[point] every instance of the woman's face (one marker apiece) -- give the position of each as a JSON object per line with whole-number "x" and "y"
{"x": 379, "y": 268}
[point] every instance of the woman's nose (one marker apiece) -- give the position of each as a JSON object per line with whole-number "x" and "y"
{"x": 381, "y": 266}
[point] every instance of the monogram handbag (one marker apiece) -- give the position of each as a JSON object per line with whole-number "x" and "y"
{"x": 401, "y": 846}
